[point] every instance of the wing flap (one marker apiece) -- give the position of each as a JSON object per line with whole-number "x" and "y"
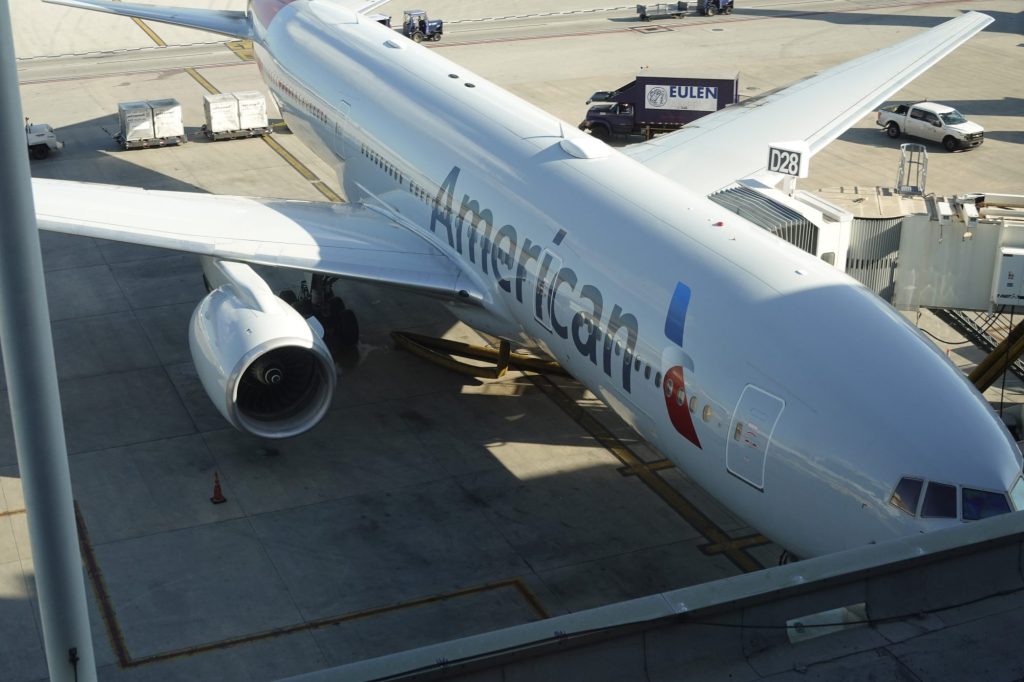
{"x": 224, "y": 22}
{"x": 732, "y": 144}
{"x": 345, "y": 240}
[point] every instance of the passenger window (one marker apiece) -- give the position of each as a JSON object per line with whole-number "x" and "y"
{"x": 916, "y": 113}
{"x": 939, "y": 501}
{"x": 981, "y": 504}
{"x": 908, "y": 492}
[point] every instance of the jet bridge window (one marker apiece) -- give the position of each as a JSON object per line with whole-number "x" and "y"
{"x": 907, "y": 495}
{"x": 981, "y": 504}
{"x": 939, "y": 501}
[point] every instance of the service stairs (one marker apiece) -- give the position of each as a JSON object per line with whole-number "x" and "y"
{"x": 978, "y": 334}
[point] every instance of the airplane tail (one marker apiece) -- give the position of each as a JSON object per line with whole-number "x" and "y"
{"x": 228, "y": 23}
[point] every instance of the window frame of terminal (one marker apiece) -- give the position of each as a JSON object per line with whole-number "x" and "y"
{"x": 1014, "y": 499}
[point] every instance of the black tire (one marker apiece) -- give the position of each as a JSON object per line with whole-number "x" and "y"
{"x": 346, "y": 328}
{"x": 892, "y": 130}
{"x": 950, "y": 143}
{"x": 40, "y": 152}
{"x": 335, "y": 307}
{"x": 600, "y": 132}
{"x": 417, "y": 37}
{"x": 728, "y": 9}
{"x": 710, "y": 8}
{"x": 436, "y": 37}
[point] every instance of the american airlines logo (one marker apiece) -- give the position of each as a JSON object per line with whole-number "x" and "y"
{"x": 674, "y": 384}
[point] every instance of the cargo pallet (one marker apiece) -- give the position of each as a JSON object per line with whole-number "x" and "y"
{"x": 150, "y": 142}
{"x": 236, "y": 134}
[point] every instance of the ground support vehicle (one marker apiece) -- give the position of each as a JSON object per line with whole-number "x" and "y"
{"x": 678, "y": 10}
{"x": 153, "y": 123}
{"x": 416, "y": 25}
{"x": 931, "y": 121}
{"x": 657, "y": 104}
{"x": 41, "y": 140}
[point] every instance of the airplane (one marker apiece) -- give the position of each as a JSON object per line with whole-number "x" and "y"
{"x": 787, "y": 390}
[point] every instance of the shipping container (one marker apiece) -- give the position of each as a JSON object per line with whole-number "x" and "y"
{"x": 252, "y": 110}
{"x": 136, "y": 121}
{"x": 221, "y": 113}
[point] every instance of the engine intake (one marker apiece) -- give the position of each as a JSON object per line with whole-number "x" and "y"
{"x": 263, "y": 366}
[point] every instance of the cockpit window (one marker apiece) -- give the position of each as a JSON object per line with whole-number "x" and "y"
{"x": 1017, "y": 494}
{"x": 908, "y": 492}
{"x": 939, "y": 501}
{"x": 981, "y": 504}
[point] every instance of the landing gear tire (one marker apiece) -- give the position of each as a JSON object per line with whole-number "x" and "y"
{"x": 892, "y": 130}
{"x": 342, "y": 329}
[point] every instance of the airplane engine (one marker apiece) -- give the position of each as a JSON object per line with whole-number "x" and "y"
{"x": 263, "y": 366}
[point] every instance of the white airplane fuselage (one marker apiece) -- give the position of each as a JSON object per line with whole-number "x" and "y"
{"x": 788, "y": 391}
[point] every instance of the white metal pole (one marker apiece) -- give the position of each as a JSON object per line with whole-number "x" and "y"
{"x": 35, "y": 403}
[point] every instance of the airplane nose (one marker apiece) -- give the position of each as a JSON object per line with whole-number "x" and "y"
{"x": 869, "y": 401}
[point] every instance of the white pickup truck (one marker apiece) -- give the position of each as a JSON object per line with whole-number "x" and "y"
{"x": 931, "y": 121}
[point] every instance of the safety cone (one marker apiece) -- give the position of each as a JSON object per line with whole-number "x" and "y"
{"x": 218, "y": 495}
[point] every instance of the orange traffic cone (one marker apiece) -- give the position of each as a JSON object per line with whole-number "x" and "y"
{"x": 218, "y": 495}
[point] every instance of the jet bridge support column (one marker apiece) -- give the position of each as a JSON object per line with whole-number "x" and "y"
{"x": 999, "y": 360}
{"x": 35, "y": 403}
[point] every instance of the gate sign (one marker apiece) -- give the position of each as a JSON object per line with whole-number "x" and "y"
{"x": 682, "y": 97}
{"x": 789, "y": 158}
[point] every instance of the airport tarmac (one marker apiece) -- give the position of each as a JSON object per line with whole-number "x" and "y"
{"x": 427, "y": 505}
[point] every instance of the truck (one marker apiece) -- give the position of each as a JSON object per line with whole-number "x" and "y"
{"x": 931, "y": 121}
{"x": 153, "y": 123}
{"x": 416, "y": 25}
{"x": 41, "y": 140}
{"x": 656, "y": 104}
{"x": 232, "y": 115}
{"x": 678, "y": 10}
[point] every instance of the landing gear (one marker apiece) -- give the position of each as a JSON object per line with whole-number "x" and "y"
{"x": 317, "y": 299}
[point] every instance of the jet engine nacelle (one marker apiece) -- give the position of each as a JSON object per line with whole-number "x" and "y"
{"x": 260, "y": 362}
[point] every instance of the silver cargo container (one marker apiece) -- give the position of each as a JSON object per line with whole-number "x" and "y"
{"x": 136, "y": 120}
{"x": 221, "y": 113}
{"x": 167, "y": 118}
{"x": 252, "y": 110}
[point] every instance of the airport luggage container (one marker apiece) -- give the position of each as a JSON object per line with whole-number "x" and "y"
{"x": 153, "y": 123}
{"x": 234, "y": 115}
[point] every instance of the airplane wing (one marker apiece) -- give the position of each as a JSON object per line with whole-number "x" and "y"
{"x": 345, "y": 240}
{"x": 732, "y": 144}
{"x": 225, "y": 22}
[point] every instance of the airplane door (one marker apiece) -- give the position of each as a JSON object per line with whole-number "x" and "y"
{"x": 750, "y": 434}
{"x": 338, "y": 144}
{"x": 539, "y": 285}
